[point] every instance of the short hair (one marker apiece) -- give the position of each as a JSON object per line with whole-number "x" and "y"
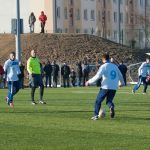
{"x": 13, "y": 53}
{"x": 105, "y": 56}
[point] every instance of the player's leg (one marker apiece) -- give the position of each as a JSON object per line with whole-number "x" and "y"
{"x": 46, "y": 80}
{"x": 145, "y": 84}
{"x": 99, "y": 99}
{"x": 10, "y": 93}
{"x": 33, "y": 88}
{"x": 16, "y": 87}
{"x": 40, "y": 84}
{"x": 136, "y": 87}
{"x": 109, "y": 102}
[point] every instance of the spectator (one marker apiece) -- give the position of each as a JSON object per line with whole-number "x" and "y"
{"x": 21, "y": 76}
{"x": 79, "y": 73}
{"x": 65, "y": 72}
{"x": 123, "y": 69}
{"x": 73, "y": 77}
{"x": 42, "y": 19}
{"x": 1, "y": 76}
{"x": 32, "y": 20}
{"x": 55, "y": 71}
{"x": 48, "y": 73}
{"x": 86, "y": 71}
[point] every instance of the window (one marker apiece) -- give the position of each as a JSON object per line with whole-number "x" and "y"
{"x": 78, "y": 14}
{"x": 92, "y": 15}
{"x": 99, "y": 15}
{"x": 59, "y": 30}
{"x": 121, "y": 17}
{"x": 58, "y": 12}
{"x": 85, "y": 14}
{"x": 92, "y": 31}
{"x": 114, "y": 1}
{"x": 66, "y": 30}
{"x": 71, "y": 2}
{"x": 65, "y": 13}
{"x": 85, "y": 31}
{"x": 99, "y": 32}
{"x": 115, "y": 35}
{"x": 108, "y": 33}
{"x": 141, "y": 3}
{"x": 115, "y": 16}
{"x": 108, "y": 16}
{"x": 77, "y": 30}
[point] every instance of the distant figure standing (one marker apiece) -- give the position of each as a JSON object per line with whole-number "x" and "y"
{"x": 65, "y": 72}
{"x": 32, "y": 20}
{"x": 79, "y": 73}
{"x": 86, "y": 71}
{"x": 55, "y": 70}
{"x": 42, "y": 19}
{"x": 21, "y": 76}
{"x": 73, "y": 77}
{"x": 48, "y": 73}
{"x": 123, "y": 69}
{"x": 1, "y": 76}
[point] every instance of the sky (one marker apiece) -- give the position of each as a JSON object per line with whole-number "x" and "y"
{"x": 8, "y": 11}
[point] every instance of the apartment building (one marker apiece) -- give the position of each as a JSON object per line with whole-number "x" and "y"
{"x": 122, "y": 21}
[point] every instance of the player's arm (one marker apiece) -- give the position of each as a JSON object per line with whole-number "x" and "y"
{"x": 29, "y": 68}
{"x": 140, "y": 69}
{"x": 96, "y": 77}
{"x": 120, "y": 78}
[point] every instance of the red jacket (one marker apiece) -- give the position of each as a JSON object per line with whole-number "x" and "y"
{"x": 1, "y": 70}
{"x": 43, "y": 18}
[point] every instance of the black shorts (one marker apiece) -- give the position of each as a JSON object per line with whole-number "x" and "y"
{"x": 36, "y": 80}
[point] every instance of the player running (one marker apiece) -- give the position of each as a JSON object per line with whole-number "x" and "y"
{"x": 143, "y": 73}
{"x": 110, "y": 75}
{"x": 12, "y": 71}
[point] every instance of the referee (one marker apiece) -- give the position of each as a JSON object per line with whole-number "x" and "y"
{"x": 34, "y": 70}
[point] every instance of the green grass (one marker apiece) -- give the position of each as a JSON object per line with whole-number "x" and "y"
{"x": 64, "y": 122}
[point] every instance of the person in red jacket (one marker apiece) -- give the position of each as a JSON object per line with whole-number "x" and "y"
{"x": 1, "y": 75}
{"x": 42, "y": 19}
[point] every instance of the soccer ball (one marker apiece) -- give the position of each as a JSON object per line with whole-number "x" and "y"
{"x": 102, "y": 113}
{"x": 148, "y": 80}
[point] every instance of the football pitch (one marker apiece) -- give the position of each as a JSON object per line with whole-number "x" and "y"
{"x": 64, "y": 122}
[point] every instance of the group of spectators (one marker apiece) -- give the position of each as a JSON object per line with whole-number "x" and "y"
{"x": 70, "y": 76}
{"x": 32, "y": 20}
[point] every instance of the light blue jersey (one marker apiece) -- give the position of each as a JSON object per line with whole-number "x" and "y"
{"x": 144, "y": 69}
{"x": 110, "y": 75}
{"x": 12, "y": 70}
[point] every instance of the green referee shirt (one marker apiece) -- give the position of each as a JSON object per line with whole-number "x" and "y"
{"x": 33, "y": 66}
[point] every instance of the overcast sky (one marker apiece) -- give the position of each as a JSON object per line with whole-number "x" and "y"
{"x": 8, "y": 11}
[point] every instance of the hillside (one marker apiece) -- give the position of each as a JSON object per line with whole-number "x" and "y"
{"x": 67, "y": 48}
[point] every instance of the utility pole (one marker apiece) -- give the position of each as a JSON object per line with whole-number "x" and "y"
{"x": 146, "y": 37}
{"x": 119, "y": 22}
{"x": 18, "y": 41}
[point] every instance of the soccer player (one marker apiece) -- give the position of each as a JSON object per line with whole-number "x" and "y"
{"x": 12, "y": 71}
{"x": 110, "y": 75}
{"x": 34, "y": 69}
{"x": 143, "y": 72}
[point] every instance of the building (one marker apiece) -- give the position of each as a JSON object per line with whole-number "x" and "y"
{"x": 122, "y": 21}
